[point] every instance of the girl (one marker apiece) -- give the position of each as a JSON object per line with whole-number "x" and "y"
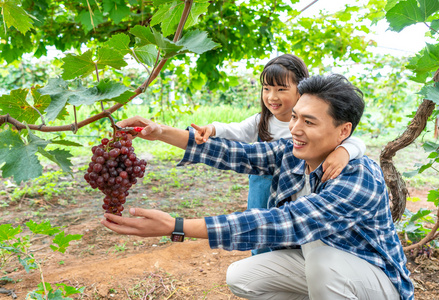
{"x": 279, "y": 95}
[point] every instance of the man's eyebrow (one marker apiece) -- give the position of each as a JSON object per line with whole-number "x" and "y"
{"x": 306, "y": 116}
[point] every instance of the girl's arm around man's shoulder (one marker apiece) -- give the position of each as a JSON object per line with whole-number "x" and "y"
{"x": 355, "y": 147}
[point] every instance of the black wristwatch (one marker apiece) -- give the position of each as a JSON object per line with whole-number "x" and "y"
{"x": 178, "y": 234}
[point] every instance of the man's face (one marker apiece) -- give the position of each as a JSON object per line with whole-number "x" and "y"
{"x": 314, "y": 134}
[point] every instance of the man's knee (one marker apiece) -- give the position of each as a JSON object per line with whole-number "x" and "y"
{"x": 231, "y": 276}
{"x": 321, "y": 268}
{"x": 234, "y": 279}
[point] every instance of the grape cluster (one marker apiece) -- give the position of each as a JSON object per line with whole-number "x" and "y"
{"x": 113, "y": 169}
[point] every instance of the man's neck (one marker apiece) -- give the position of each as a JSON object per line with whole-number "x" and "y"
{"x": 310, "y": 167}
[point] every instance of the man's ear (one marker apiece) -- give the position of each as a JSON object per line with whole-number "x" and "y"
{"x": 345, "y": 131}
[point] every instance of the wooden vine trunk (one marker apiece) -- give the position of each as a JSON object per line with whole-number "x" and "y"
{"x": 394, "y": 181}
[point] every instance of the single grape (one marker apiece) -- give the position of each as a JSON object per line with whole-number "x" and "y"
{"x": 100, "y": 160}
{"x": 99, "y": 152}
{"x": 97, "y": 168}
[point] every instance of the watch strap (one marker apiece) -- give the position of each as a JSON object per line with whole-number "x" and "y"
{"x": 178, "y": 234}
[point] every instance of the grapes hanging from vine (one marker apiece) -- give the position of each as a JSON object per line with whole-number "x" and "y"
{"x": 113, "y": 169}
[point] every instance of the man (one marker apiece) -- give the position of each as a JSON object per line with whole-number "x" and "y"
{"x": 333, "y": 240}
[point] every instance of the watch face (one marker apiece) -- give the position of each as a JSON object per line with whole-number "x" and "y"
{"x": 177, "y": 237}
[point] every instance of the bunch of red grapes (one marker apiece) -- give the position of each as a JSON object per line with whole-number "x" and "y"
{"x": 113, "y": 169}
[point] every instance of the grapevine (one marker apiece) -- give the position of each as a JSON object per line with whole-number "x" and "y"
{"x": 113, "y": 169}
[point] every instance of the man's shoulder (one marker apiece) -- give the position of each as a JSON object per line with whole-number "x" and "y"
{"x": 365, "y": 165}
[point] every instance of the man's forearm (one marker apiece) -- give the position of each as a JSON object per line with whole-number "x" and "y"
{"x": 195, "y": 228}
{"x": 174, "y": 136}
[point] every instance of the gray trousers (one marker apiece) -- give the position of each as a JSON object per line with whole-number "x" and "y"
{"x": 316, "y": 271}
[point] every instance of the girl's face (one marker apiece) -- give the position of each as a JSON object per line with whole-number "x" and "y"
{"x": 280, "y": 100}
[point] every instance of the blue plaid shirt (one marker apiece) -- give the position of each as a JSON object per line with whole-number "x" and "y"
{"x": 350, "y": 212}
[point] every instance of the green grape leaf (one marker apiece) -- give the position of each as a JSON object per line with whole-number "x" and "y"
{"x": 105, "y": 90}
{"x": 63, "y": 241}
{"x": 433, "y": 196}
{"x": 434, "y": 26}
{"x": 430, "y": 92}
{"x": 17, "y": 107}
{"x": 143, "y": 34}
{"x": 428, "y": 7}
{"x": 403, "y": 14}
{"x": 70, "y": 290}
{"x": 41, "y": 102}
{"x": 390, "y": 4}
{"x": 124, "y": 97}
{"x": 66, "y": 143}
{"x": 119, "y": 42}
{"x": 7, "y": 232}
{"x": 425, "y": 62}
{"x": 147, "y": 54}
{"x": 59, "y": 92}
{"x": 116, "y": 9}
{"x": 164, "y": 10}
{"x": 42, "y": 228}
{"x": 90, "y": 20}
{"x": 14, "y": 15}
{"x": 60, "y": 157}
{"x": 411, "y": 173}
{"x": 160, "y": 2}
{"x": 19, "y": 158}
{"x": 110, "y": 57}
{"x": 433, "y": 155}
{"x": 167, "y": 47}
{"x": 44, "y": 286}
{"x": 28, "y": 263}
{"x": 56, "y": 295}
{"x": 196, "y": 41}
{"x": 196, "y": 10}
{"x": 406, "y": 13}
{"x": 170, "y": 12}
{"x": 78, "y": 65}
{"x": 420, "y": 214}
{"x": 430, "y": 146}
{"x": 197, "y": 82}
{"x": 36, "y": 141}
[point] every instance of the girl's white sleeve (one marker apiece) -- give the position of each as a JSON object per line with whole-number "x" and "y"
{"x": 355, "y": 147}
{"x": 245, "y": 131}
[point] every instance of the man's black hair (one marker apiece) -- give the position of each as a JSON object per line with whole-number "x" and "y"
{"x": 345, "y": 101}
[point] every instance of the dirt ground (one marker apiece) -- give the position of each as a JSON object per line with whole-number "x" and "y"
{"x": 111, "y": 266}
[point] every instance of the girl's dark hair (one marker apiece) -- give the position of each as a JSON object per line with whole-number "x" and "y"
{"x": 279, "y": 71}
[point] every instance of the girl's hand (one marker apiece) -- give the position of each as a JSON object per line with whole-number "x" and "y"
{"x": 203, "y": 133}
{"x": 335, "y": 163}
